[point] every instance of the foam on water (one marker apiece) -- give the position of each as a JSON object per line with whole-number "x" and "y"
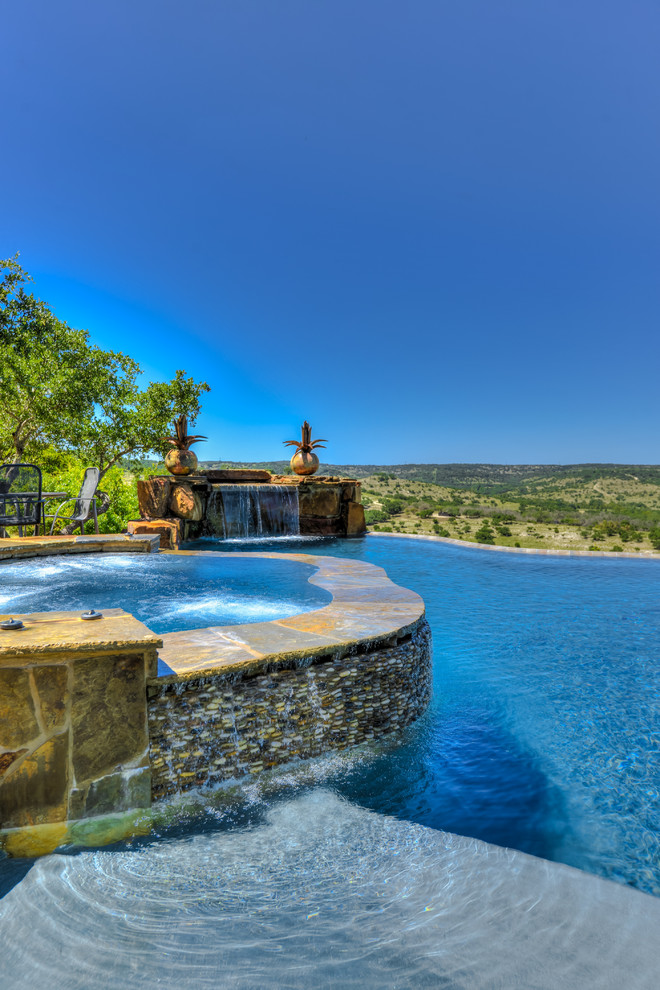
{"x": 322, "y": 893}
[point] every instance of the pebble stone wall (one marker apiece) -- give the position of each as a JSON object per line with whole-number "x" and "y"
{"x": 213, "y": 728}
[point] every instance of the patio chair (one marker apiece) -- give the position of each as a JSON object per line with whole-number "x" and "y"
{"x": 20, "y": 497}
{"x": 85, "y": 504}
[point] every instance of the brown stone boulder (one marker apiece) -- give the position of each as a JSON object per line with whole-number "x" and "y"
{"x": 319, "y": 500}
{"x": 169, "y": 530}
{"x": 153, "y": 497}
{"x": 355, "y": 524}
{"x": 321, "y": 526}
{"x": 186, "y": 504}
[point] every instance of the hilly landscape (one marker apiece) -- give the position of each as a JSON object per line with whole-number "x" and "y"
{"x": 552, "y": 506}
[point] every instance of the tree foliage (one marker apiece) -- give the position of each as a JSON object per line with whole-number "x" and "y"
{"x": 57, "y": 388}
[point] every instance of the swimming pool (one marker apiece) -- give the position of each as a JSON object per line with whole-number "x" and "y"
{"x": 544, "y": 730}
{"x": 542, "y": 736}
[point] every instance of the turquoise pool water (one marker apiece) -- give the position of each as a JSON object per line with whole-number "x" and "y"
{"x": 544, "y": 730}
{"x": 543, "y": 736}
{"x": 166, "y": 592}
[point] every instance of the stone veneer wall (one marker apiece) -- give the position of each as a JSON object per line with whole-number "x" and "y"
{"x": 212, "y": 728}
{"x": 73, "y": 722}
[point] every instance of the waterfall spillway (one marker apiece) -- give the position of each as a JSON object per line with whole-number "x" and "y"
{"x": 244, "y": 511}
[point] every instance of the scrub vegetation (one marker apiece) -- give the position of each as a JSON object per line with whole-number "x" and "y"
{"x": 583, "y": 507}
{"x": 545, "y": 506}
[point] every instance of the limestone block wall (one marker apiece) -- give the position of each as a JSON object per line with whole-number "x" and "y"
{"x": 211, "y": 728}
{"x": 330, "y": 506}
{"x": 73, "y": 721}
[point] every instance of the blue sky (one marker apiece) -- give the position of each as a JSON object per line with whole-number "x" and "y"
{"x": 430, "y": 228}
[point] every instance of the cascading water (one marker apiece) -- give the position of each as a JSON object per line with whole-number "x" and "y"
{"x": 253, "y": 511}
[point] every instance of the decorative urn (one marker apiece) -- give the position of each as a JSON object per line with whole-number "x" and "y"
{"x": 305, "y": 461}
{"x": 181, "y": 459}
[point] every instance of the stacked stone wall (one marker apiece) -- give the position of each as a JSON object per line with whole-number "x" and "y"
{"x": 213, "y": 728}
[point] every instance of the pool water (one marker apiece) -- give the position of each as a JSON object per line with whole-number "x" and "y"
{"x": 166, "y": 592}
{"x": 543, "y": 736}
{"x": 317, "y": 892}
{"x": 544, "y": 729}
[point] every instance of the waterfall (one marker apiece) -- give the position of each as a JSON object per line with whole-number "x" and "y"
{"x": 253, "y": 511}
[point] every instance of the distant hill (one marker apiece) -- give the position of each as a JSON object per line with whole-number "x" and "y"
{"x": 488, "y": 477}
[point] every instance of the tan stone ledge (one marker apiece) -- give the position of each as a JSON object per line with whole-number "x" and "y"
{"x": 47, "y": 636}
{"x": 23, "y": 547}
{"x": 367, "y": 611}
{"x": 642, "y": 555}
{"x": 40, "y": 840}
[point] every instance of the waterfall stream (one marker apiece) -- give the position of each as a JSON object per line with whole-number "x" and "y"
{"x": 243, "y": 511}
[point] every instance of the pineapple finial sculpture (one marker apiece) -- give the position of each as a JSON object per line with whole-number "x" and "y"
{"x": 305, "y": 461}
{"x": 181, "y": 459}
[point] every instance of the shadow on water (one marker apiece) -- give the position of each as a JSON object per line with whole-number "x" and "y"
{"x": 462, "y": 774}
{"x": 12, "y": 871}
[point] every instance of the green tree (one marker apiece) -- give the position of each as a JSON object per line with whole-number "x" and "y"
{"x": 127, "y": 420}
{"x": 47, "y": 374}
{"x": 59, "y": 389}
{"x": 654, "y": 537}
{"x": 485, "y": 534}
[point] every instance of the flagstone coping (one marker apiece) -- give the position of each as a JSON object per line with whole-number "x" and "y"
{"x": 23, "y": 547}
{"x": 367, "y": 610}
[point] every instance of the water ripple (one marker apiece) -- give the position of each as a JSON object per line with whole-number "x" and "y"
{"x": 324, "y": 894}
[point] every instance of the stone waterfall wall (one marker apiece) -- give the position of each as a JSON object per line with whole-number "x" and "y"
{"x": 215, "y": 727}
{"x": 179, "y": 508}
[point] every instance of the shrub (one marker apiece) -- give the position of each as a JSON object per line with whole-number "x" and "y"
{"x": 375, "y": 516}
{"x": 654, "y": 537}
{"x": 485, "y": 534}
{"x": 617, "y": 548}
{"x": 627, "y": 532}
{"x": 393, "y": 505}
